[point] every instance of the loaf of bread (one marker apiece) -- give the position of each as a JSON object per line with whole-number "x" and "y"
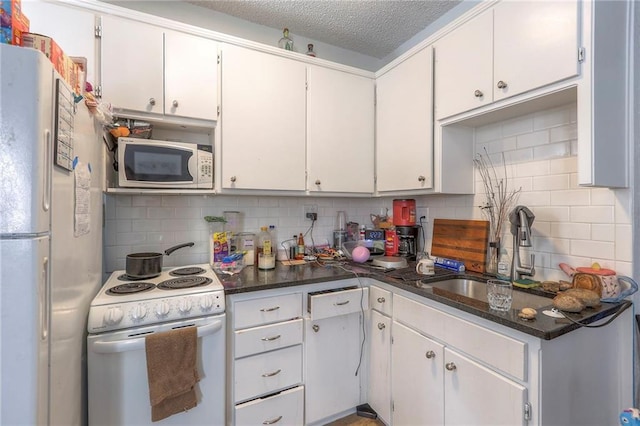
{"x": 588, "y": 282}
{"x": 589, "y": 298}
{"x": 568, "y": 303}
{"x": 552, "y": 286}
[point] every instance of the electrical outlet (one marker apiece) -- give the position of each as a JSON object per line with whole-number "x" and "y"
{"x": 311, "y": 211}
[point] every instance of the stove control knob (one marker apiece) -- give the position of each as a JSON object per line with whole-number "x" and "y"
{"x": 113, "y": 316}
{"x": 184, "y": 306}
{"x": 206, "y": 303}
{"x": 138, "y": 312}
{"x": 162, "y": 309}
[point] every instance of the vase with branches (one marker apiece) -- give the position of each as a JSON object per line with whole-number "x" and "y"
{"x": 499, "y": 201}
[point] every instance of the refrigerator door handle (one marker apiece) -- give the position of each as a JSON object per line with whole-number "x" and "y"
{"x": 44, "y": 301}
{"x": 48, "y": 167}
{"x": 125, "y": 345}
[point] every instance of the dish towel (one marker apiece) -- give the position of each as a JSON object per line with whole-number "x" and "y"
{"x": 171, "y": 371}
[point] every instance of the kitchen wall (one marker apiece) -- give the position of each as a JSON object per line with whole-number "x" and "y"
{"x": 573, "y": 224}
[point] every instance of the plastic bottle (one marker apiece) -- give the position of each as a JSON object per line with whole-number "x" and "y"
{"x": 274, "y": 239}
{"x": 264, "y": 243}
{"x": 504, "y": 265}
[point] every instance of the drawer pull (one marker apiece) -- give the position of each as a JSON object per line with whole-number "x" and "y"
{"x": 381, "y": 326}
{"x": 269, "y": 339}
{"x": 430, "y": 354}
{"x": 272, "y": 374}
{"x": 270, "y": 422}
{"x": 381, "y": 300}
{"x": 275, "y": 308}
{"x": 450, "y": 366}
{"x": 342, "y": 303}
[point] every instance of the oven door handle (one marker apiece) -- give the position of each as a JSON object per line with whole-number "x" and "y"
{"x": 137, "y": 344}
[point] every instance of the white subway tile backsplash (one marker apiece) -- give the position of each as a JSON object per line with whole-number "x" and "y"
{"x": 573, "y": 224}
{"x": 593, "y": 249}
{"x": 592, "y": 214}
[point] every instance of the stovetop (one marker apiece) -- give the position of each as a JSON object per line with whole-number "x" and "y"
{"x": 177, "y": 293}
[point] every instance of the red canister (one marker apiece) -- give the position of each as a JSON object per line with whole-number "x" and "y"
{"x": 391, "y": 242}
{"x": 404, "y": 212}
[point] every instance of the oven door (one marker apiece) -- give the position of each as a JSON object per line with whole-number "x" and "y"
{"x": 117, "y": 375}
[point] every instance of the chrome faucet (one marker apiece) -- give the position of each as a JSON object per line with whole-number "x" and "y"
{"x": 521, "y": 219}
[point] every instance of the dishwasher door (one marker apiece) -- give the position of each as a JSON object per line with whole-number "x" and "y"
{"x": 117, "y": 375}
{"x": 334, "y": 352}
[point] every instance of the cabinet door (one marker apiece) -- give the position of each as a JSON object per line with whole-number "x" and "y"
{"x": 404, "y": 146}
{"x": 333, "y": 354}
{"x": 464, "y": 67}
{"x": 190, "y": 76}
{"x": 476, "y": 395}
{"x": 71, "y": 28}
{"x": 132, "y": 63}
{"x": 535, "y": 44}
{"x": 263, "y": 121}
{"x": 417, "y": 378}
{"x": 380, "y": 365}
{"x": 340, "y": 114}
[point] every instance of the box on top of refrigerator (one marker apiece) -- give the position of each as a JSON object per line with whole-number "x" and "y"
{"x": 61, "y": 62}
{"x": 13, "y": 23}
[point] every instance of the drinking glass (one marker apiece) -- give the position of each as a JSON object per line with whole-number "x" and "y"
{"x": 499, "y": 294}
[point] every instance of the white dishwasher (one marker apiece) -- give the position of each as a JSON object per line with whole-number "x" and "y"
{"x": 333, "y": 347}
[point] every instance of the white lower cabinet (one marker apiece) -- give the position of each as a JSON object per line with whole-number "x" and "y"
{"x": 284, "y": 408}
{"x": 380, "y": 365}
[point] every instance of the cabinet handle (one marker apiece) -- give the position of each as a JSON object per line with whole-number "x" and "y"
{"x": 381, "y": 300}
{"x": 381, "y": 326}
{"x": 315, "y": 327}
{"x": 502, "y": 84}
{"x": 152, "y": 101}
{"x": 341, "y": 303}
{"x": 175, "y": 103}
{"x": 270, "y": 422}
{"x": 430, "y": 354}
{"x": 450, "y": 366}
{"x": 421, "y": 178}
{"x": 233, "y": 179}
{"x": 275, "y": 308}
{"x": 269, "y": 339}
{"x": 318, "y": 182}
{"x": 272, "y": 374}
{"x": 478, "y": 94}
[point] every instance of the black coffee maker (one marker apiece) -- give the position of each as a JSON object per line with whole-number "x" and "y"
{"x": 408, "y": 241}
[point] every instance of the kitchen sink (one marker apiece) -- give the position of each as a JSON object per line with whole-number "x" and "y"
{"x": 474, "y": 292}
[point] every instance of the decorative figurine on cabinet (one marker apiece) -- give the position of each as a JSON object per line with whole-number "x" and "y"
{"x": 630, "y": 417}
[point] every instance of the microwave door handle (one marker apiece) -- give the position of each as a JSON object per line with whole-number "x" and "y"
{"x": 125, "y": 345}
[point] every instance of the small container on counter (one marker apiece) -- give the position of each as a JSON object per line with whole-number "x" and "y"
{"x": 246, "y": 244}
{"x": 266, "y": 261}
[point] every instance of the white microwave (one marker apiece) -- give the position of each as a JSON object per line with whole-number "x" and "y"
{"x": 147, "y": 163}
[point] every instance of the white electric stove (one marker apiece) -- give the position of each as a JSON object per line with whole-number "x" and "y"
{"x": 178, "y": 293}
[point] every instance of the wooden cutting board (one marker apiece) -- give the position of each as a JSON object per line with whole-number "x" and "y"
{"x": 464, "y": 240}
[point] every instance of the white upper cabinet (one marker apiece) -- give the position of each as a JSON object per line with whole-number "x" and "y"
{"x": 149, "y": 69}
{"x": 340, "y": 131}
{"x": 404, "y": 120}
{"x": 132, "y": 65}
{"x": 512, "y": 48}
{"x": 262, "y": 121}
{"x": 190, "y": 76}
{"x": 464, "y": 67}
{"x": 535, "y": 43}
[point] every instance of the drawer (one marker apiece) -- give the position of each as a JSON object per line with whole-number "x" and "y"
{"x": 285, "y": 408}
{"x": 267, "y": 310}
{"x": 502, "y": 352}
{"x": 334, "y": 303}
{"x": 255, "y": 340}
{"x": 381, "y": 300}
{"x": 268, "y": 372}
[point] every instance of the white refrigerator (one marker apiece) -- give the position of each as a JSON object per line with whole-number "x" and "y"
{"x": 51, "y": 210}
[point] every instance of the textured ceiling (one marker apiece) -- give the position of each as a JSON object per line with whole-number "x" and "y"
{"x": 371, "y": 27}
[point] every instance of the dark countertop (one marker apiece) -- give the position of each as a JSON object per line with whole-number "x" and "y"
{"x": 252, "y": 279}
